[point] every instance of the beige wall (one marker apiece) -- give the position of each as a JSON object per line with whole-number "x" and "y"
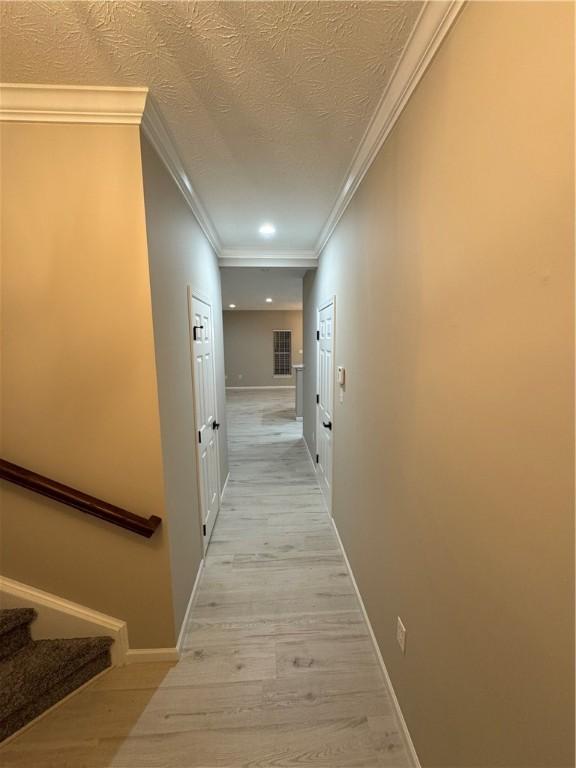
{"x": 180, "y": 255}
{"x": 248, "y": 346}
{"x": 79, "y": 398}
{"x": 453, "y": 272}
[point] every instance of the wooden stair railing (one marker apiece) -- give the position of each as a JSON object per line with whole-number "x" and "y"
{"x": 82, "y": 501}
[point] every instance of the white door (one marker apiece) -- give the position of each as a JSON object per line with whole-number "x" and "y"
{"x": 204, "y": 380}
{"x": 325, "y": 399}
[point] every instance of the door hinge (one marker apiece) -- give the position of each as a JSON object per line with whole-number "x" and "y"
{"x": 199, "y": 436}
{"x": 317, "y": 458}
{"x": 317, "y": 398}
{"x": 196, "y": 328}
{"x": 204, "y": 529}
{"x": 317, "y": 335}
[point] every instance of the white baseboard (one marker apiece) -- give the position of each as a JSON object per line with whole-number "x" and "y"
{"x": 142, "y": 655}
{"x": 145, "y": 655}
{"x": 405, "y": 732}
{"x": 270, "y": 387}
{"x": 60, "y": 618}
{"x": 223, "y": 491}
{"x": 309, "y": 454}
{"x": 182, "y": 633}
{"x": 390, "y": 688}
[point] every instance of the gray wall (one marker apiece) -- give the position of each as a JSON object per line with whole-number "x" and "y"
{"x": 180, "y": 255}
{"x": 248, "y": 346}
{"x": 454, "y": 456}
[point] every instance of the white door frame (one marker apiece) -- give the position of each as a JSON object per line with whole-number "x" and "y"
{"x": 322, "y": 305}
{"x": 194, "y": 294}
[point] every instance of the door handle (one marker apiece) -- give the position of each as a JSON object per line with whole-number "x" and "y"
{"x": 196, "y": 328}
{"x": 327, "y": 425}
{"x": 215, "y": 425}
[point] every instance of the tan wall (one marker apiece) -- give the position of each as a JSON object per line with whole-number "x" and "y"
{"x": 79, "y": 398}
{"x": 248, "y": 346}
{"x": 180, "y": 255}
{"x": 453, "y": 272}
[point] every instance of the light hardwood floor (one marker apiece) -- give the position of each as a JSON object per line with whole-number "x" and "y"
{"x": 278, "y": 667}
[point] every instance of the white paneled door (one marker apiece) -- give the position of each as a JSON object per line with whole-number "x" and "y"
{"x": 204, "y": 380}
{"x": 325, "y": 399}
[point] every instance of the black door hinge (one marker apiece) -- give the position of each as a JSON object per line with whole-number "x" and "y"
{"x": 196, "y": 328}
{"x": 317, "y": 398}
{"x": 317, "y": 335}
{"x": 317, "y": 458}
{"x": 204, "y": 529}
{"x": 199, "y": 436}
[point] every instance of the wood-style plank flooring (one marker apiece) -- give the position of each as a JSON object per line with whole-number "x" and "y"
{"x": 278, "y": 667}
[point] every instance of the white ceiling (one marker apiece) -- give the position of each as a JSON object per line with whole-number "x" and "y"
{"x": 267, "y": 102}
{"x": 248, "y": 287}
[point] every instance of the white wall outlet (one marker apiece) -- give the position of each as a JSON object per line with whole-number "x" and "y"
{"x": 401, "y": 634}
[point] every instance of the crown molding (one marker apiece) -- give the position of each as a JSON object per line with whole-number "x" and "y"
{"x": 133, "y": 106}
{"x": 232, "y": 257}
{"x": 28, "y": 103}
{"x": 159, "y": 136}
{"x": 432, "y": 26}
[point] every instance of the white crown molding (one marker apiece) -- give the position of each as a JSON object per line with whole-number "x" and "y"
{"x": 232, "y": 257}
{"x": 279, "y": 306}
{"x": 434, "y": 22}
{"x": 245, "y": 388}
{"x": 104, "y": 105}
{"x": 159, "y": 136}
{"x": 28, "y": 103}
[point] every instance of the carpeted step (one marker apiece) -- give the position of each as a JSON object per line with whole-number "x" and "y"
{"x": 43, "y": 672}
{"x": 15, "y": 629}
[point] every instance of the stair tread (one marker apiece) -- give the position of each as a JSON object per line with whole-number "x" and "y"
{"x": 41, "y": 665}
{"x": 10, "y": 618}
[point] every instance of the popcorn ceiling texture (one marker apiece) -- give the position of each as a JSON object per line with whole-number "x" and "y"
{"x": 267, "y": 101}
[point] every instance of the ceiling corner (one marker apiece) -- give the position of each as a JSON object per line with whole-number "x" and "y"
{"x": 433, "y": 23}
{"x": 159, "y": 136}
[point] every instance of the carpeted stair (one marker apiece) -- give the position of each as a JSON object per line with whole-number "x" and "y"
{"x": 35, "y": 674}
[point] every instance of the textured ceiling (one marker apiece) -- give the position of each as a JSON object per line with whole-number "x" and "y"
{"x": 267, "y": 101}
{"x": 248, "y": 287}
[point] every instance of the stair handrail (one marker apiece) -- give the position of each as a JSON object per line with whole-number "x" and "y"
{"x": 91, "y": 505}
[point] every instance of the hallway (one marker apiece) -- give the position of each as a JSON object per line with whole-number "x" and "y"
{"x": 276, "y": 597}
{"x": 278, "y": 666}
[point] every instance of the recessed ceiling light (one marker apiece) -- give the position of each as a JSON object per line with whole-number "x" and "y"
{"x": 268, "y": 301}
{"x": 232, "y": 306}
{"x": 267, "y": 230}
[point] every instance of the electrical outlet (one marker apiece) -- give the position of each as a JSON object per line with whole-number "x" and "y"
{"x": 401, "y": 635}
